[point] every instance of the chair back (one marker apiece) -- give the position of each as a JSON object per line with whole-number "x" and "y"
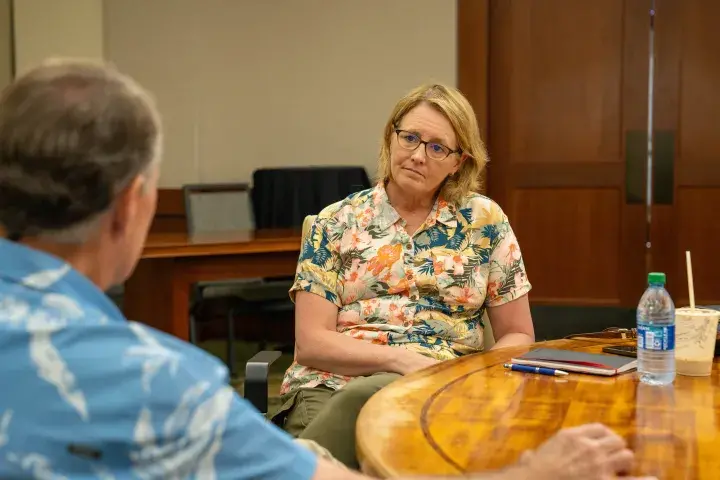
{"x": 307, "y": 225}
{"x": 488, "y": 335}
{"x": 283, "y": 197}
{"x": 213, "y": 208}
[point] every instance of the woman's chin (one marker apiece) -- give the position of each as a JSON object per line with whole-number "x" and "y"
{"x": 412, "y": 180}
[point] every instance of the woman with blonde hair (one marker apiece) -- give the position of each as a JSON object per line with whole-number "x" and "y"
{"x": 398, "y": 277}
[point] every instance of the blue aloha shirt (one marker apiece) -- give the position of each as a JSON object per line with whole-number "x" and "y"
{"x": 87, "y": 394}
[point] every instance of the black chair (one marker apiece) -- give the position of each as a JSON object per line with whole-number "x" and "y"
{"x": 283, "y": 197}
{"x": 258, "y": 367}
{"x": 213, "y": 208}
{"x": 256, "y": 379}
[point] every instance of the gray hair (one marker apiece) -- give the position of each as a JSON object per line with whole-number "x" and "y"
{"x": 73, "y": 135}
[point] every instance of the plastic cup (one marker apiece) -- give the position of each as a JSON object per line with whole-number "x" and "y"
{"x": 695, "y": 335}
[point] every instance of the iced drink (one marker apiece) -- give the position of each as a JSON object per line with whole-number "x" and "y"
{"x": 695, "y": 335}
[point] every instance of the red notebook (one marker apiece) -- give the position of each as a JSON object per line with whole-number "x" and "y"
{"x": 580, "y": 362}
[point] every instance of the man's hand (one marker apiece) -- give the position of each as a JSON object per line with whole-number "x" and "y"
{"x": 590, "y": 452}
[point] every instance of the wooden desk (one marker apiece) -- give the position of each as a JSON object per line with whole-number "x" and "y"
{"x": 471, "y": 414}
{"x": 158, "y": 292}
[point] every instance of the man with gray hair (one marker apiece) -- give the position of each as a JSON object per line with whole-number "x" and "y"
{"x": 86, "y": 393}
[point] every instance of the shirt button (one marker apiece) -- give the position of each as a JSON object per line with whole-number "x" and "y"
{"x": 413, "y": 298}
{"x": 408, "y": 246}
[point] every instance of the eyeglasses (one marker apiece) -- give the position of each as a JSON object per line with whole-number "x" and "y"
{"x": 433, "y": 150}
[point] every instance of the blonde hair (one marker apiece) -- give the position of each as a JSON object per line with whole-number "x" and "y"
{"x": 455, "y": 107}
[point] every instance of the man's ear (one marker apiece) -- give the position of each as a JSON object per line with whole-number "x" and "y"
{"x": 126, "y": 205}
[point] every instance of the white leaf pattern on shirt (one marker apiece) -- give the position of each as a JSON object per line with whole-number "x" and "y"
{"x": 103, "y": 473}
{"x": 13, "y": 310}
{"x": 51, "y": 366}
{"x": 193, "y": 452}
{"x": 4, "y": 425}
{"x": 156, "y": 356}
{"x": 144, "y": 432}
{"x": 43, "y": 279}
{"x": 63, "y": 305}
{"x": 180, "y": 416}
{"x": 35, "y": 464}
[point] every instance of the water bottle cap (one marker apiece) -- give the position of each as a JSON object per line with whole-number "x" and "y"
{"x": 656, "y": 277}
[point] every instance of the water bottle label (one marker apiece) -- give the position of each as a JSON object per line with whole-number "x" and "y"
{"x": 656, "y": 337}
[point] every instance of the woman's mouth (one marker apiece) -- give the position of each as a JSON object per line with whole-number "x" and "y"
{"x": 413, "y": 171}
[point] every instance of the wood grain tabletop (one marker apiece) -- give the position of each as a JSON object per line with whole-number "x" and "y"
{"x": 471, "y": 414}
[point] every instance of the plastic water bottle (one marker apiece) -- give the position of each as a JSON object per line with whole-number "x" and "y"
{"x": 656, "y": 333}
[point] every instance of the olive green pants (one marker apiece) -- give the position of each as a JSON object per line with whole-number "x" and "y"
{"x": 328, "y": 416}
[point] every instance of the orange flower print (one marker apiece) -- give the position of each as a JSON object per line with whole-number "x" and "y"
{"x": 400, "y": 286}
{"x": 358, "y": 333}
{"x": 364, "y": 217}
{"x": 351, "y": 239}
{"x": 347, "y": 318}
{"x": 381, "y": 338}
{"x": 458, "y": 262}
{"x": 513, "y": 251}
{"x": 492, "y": 290}
{"x": 466, "y": 295}
{"x": 396, "y": 315}
{"x": 354, "y": 283}
{"x": 369, "y": 306}
{"x": 386, "y": 256}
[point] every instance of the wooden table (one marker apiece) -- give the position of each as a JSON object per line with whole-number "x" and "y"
{"x": 158, "y": 292}
{"x": 471, "y": 414}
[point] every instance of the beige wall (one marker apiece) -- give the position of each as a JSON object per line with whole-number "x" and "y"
{"x": 250, "y": 83}
{"x": 50, "y": 28}
{"x": 6, "y": 49}
{"x": 243, "y": 84}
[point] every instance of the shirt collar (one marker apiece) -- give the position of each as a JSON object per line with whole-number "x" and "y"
{"x": 385, "y": 215}
{"x": 40, "y": 271}
{"x": 445, "y": 212}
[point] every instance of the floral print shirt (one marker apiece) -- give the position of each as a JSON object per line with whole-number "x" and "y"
{"x": 426, "y": 293}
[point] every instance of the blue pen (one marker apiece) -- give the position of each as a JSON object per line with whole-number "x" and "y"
{"x": 541, "y": 370}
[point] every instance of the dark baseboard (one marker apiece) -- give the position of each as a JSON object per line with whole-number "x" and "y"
{"x": 553, "y": 322}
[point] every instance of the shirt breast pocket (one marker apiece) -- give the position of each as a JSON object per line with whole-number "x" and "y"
{"x": 369, "y": 270}
{"x": 461, "y": 280}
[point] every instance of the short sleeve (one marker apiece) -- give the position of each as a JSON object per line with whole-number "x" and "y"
{"x": 254, "y": 448}
{"x": 196, "y": 426}
{"x": 319, "y": 263}
{"x": 507, "y": 279}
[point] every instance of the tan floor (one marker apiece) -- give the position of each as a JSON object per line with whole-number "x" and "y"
{"x": 244, "y": 352}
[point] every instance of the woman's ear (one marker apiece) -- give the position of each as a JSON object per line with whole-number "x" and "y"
{"x": 459, "y": 163}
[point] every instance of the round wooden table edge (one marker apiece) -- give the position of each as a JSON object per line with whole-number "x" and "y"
{"x": 374, "y": 465}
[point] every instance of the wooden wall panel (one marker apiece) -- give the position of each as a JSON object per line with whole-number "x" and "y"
{"x": 472, "y": 61}
{"x": 687, "y": 148}
{"x": 565, "y": 81}
{"x": 569, "y": 239}
{"x": 560, "y": 106}
{"x": 698, "y": 232}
